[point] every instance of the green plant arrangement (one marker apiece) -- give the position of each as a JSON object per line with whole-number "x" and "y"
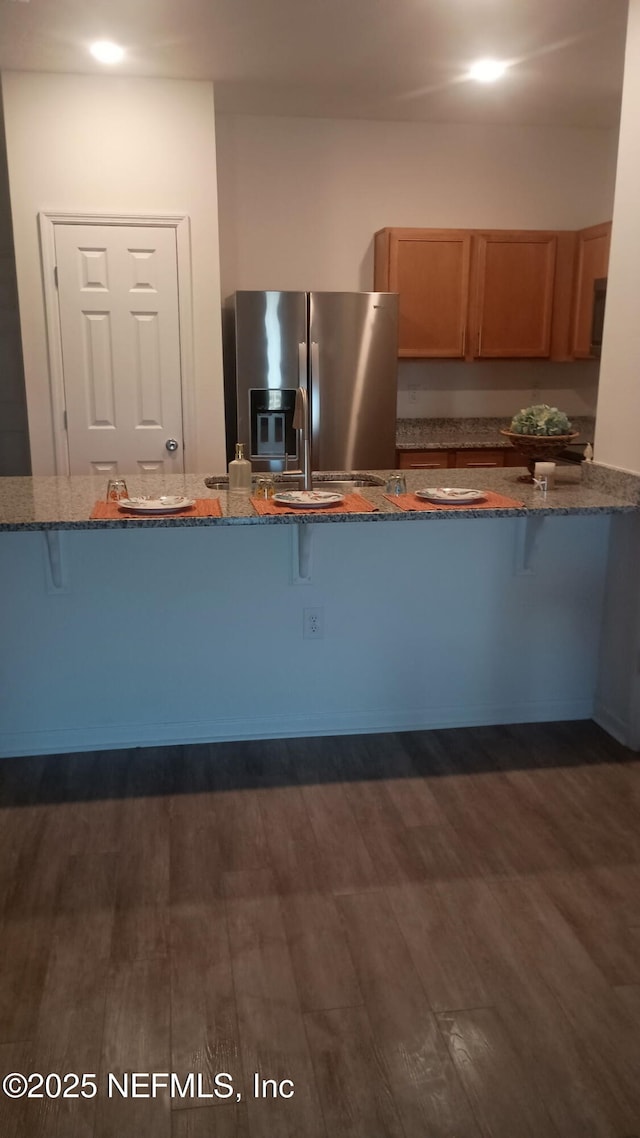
{"x": 540, "y": 419}
{"x": 540, "y": 432}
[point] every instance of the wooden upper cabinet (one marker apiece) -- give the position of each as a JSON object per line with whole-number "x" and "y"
{"x": 429, "y": 268}
{"x": 514, "y": 294}
{"x": 592, "y": 263}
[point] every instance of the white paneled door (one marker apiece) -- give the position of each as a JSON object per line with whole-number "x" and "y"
{"x": 120, "y": 338}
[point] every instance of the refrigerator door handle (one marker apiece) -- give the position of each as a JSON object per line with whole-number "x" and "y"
{"x": 315, "y": 394}
{"x": 302, "y": 365}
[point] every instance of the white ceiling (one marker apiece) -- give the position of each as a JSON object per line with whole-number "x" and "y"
{"x": 376, "y": 59}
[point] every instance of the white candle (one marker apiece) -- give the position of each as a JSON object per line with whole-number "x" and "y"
{"x": 546, "y": 470}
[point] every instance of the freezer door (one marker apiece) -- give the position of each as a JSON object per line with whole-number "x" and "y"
{"x": 353, "y": 346}
{"x": 271, "y": 362}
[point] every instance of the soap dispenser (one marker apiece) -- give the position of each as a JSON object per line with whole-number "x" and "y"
{"x": 240, "y": 471}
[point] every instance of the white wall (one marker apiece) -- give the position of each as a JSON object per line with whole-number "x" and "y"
{"x": 14, "y": 436}
{"x": 426, "y": 624}
{"x": 618, "y": 435}
{"x": 446, "y": 388}
{"x": 300, "y": 201}
{"x": 95, "y": 144}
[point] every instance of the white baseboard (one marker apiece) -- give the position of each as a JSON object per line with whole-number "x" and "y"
{"x": 365, "y": 721}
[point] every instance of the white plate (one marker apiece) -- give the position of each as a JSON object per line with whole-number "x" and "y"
{"x": 308, "y": 499}
{"x": 166, "y": 504}
{"x": 450, "y": 494}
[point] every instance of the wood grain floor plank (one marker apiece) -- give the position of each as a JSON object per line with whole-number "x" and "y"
{"x": 136, "y": 1038}
{"x": 393, "y": 848}
{"x": 620, "y": 888}
{"x": 583, "y": 903}
{"x": 444, "y": 853}
{"x": 87, "y": 794}
{"x": 20, "y": 815}
{"x": 462, "y": 789}
{"x": 196, "y": 862}
{"x": 346, "y": 862}
{"x": 496, "y": 1081}
{"x": 225, "y": 1122}
{"x": 143, "y": 886}
{"x": 28, "y": 921}
{"x": 271, "y": 1030}
{"x": 569, "y": 800}
{"x": 37, "y": 870}
{"x": 629, "y": 996}
{"x": 576, "y": 1092}
{"x": 14, "y": 1113}
{"x": 354, "y": 1085}
{"x": 292, "y": 847}
{"x": 123, "y": 873}
{"x": 204, "y": 1028}
{"x": 240, "y": 830}
{"x": 26, "y": 942}
{"x": 314, "y": 760}
{"x": 249, "y": 884}
{"x": 603, "y": 1031}
{"x": 439, "y": 952}
{"x": 503, "y": 832}
{"x": 321, "y": 959}
{"x": 70, "y": 1022}
{"x": 428, "y": 1095}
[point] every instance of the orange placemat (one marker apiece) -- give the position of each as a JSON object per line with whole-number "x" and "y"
{"x": 352, "y": 504}
{"x": 203, "y": 508}
{"x": 490, "y": 501}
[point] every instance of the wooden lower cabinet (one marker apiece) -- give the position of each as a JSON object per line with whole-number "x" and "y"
{"x": 482, "y": 458}
{"x": 513, "y": 457}
{"x": 422, "y": 459}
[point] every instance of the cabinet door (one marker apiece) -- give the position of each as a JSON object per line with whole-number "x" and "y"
{"x": 592, "y": 263}
{"x": 429, "y": 268}
{"x": 422, "y": 459}
{"x": 513, "y": 294}
{"x": 480, "y": 459}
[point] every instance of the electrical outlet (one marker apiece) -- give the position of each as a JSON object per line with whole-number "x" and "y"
{"x": 413, "y": 393}
{"x": 313, "y": 624}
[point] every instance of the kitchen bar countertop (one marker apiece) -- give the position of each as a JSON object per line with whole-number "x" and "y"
{"x": 469, "y": 434}
{"x": 50, "y": 503}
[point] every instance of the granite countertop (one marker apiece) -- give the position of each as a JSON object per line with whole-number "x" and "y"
{"x": 469, "y": 434}
{"x": 66, "y": 503}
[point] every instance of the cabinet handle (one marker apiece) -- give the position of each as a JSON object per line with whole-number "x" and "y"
{"x": 473, "y": 465}
{"x": 426, "y": 466}
{"x": 464, "y": 340}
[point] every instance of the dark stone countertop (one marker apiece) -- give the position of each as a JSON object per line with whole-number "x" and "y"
{"x": 469, "y": 434}
{"x": 50, "y": 503}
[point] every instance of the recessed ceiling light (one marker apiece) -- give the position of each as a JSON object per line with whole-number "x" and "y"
{"x": 106, "y": 52}
{"x": 487, "y": 70}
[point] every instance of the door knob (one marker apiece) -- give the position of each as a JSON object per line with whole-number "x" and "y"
{"x": 171, "y": 445}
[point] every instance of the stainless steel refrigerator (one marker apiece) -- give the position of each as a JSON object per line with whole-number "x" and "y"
{"x": 342, "y": 347}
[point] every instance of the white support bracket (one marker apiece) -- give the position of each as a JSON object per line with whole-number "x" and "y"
{"x": 301, "y": 536}
{"x": 527, "y": 534}
{"x": 55, "y": 567}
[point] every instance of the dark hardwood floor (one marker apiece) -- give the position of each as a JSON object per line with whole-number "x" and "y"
{"x": 433, "y": 935}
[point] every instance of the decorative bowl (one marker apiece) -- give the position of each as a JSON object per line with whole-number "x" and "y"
{"x": 538, "y": 448}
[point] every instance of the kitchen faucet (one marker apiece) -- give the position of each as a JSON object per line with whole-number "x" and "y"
{"x": 301, "y": 423}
